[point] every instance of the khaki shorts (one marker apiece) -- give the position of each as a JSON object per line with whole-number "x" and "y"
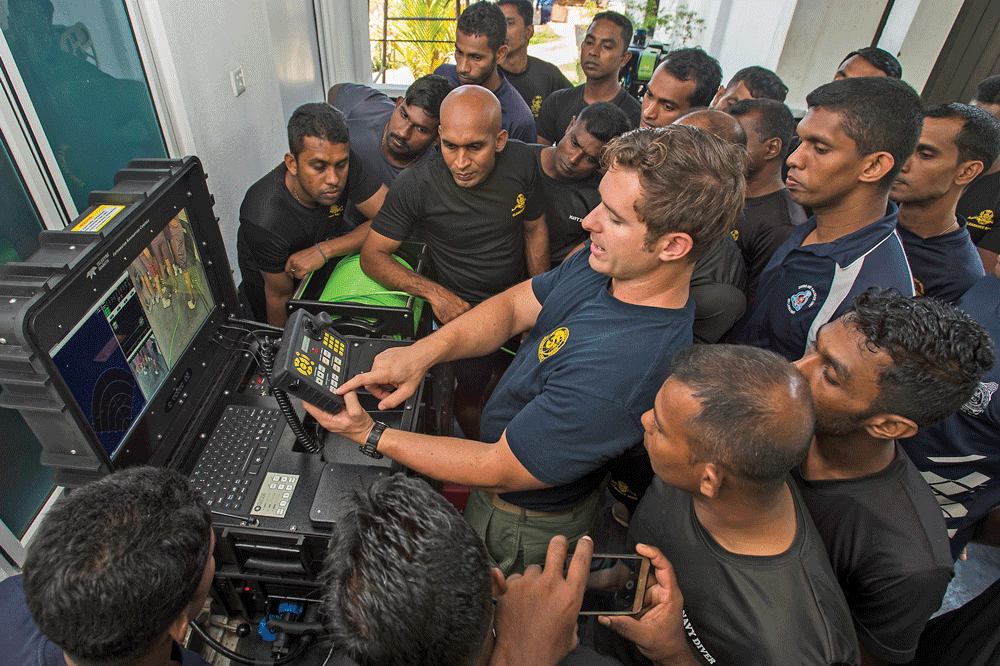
{"x": 515, "y": 540}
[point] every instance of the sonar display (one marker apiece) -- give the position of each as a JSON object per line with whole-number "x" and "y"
{"x": 119, "y": 355}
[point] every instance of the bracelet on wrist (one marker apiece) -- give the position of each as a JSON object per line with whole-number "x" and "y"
{"x": 320, "y": 250}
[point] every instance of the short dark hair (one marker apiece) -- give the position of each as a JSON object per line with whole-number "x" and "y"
{"x": 407, "y": 580}
{"x": 523, "y": 7}
{"x": 132, "y": 546}
{"x": 427, "y": 92}
{"x": 979, "y": 138}
{"x": 762, "y": 83}
{"x": 988, "y": 90}
{"x": 879, "y": 59}
{"x": 773, "y": 119}
{"x": 757, "y": 416}
{"x": 938, "y": 352}
{"x": 878, "y": 113}
{"x": 603, "y": 121}
{"x": 692, "y": 181}
{"x": 693, "y": 63}
{"x": 317, "y": 119}
{"x": 621, "y": 21}
{"x": 484, "y": 18}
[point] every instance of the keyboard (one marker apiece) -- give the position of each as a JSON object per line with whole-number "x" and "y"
{"x": 233, "y": 460}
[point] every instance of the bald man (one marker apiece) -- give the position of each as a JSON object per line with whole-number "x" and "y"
{"x": 476, "y": 207}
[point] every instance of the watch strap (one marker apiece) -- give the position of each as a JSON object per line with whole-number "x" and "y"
{"x": 370, "y": 447}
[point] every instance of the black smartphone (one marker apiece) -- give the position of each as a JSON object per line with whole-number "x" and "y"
{"x": 616, "y": 585}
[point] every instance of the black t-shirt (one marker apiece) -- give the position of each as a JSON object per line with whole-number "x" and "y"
{"x": 561, "y": 106}
{"x": 744, "y": 609}
{"x": 978, "y": 205}
{"x": 539, "y": 80}
{"x": 274, "y": 226}
{"x": 566, "y": 204}
{"x": 717, "y": 288}
{"x": 765, "y": 224}
{"x": 887, "y": 541}
{"x": 475, "y": 235}
{"x": 943, "y": 266}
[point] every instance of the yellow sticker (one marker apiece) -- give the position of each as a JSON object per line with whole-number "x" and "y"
{"x": 552, "y": 342}
{"x": 97, "y": 218}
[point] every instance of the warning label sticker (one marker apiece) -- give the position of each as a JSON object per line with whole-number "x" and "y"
{"x": 98, "y": 218}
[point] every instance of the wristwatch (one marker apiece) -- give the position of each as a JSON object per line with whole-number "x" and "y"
{"x": 370, "y": 447}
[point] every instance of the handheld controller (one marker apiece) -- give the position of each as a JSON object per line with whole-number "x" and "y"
{"x": 312, "y": 360}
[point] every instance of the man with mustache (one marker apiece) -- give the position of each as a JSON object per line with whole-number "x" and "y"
{"x": 958, "y": 142}
{"x": 292, "y": 219}
{"x": 479, "y": 47}
{"x": 390, "y": 135}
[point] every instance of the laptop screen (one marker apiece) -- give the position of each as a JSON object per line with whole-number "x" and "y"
{"x": 116, "y": 358}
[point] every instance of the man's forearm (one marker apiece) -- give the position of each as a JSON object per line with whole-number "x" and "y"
{"x": 484, "y": 328}
{"x": 536, "y": 246}
{"x": 453, "y": 460}
{"x": 349, "y": 243}
{"x": 388, "y": 272}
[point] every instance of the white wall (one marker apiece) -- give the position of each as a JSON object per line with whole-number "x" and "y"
{"x": 926, "y": 35}
{"x": 821, "y": 33}
{"x": 195, "y": 45}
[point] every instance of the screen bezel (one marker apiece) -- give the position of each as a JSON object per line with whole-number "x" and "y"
{"x": 155, "y": 433}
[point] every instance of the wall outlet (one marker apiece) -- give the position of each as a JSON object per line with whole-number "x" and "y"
{"x": 236, "y": 78}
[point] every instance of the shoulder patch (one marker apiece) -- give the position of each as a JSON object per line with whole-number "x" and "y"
{"x": 552, "y": 343}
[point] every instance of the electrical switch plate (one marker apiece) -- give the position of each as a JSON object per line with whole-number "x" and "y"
{"x": 236, "y": 78}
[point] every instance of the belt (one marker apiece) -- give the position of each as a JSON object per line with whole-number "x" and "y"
{"x": 503, "y": 505}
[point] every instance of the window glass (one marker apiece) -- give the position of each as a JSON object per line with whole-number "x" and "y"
{"x": 81, "y": 68}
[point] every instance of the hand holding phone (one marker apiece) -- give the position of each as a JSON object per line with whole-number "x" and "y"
{"x": 658, "y": 632}
{"x": 616, "y": 585}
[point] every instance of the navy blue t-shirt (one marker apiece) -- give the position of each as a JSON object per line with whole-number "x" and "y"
{"x": 25, "y": 644}
{"x": 960, "y": 457}
{"x": 515, "y": 116}
{"x": 944, "y": 266}
{"x": 588, "y": 369}
{"x": 803, "y": 288}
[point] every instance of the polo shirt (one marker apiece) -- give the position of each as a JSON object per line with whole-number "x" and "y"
{"x": 515, "y": 116}
{"x": 804, "y": 287}
{"x": 959, "y": 457}
{"x": 944, "y": 266}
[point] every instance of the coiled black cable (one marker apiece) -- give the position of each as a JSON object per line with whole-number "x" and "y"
{"x": 305, "y": 438}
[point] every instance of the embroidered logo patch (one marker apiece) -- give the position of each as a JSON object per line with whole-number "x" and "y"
{"x": 518, "y": 206}
{"x": 980, "y": 399}
{"x": 735, "y": 233}
{"x": 805, "y": 297}
{"x": 336, "y": 210}
{"x": 552, "y": 342}
{"x": 984, "y": 219}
